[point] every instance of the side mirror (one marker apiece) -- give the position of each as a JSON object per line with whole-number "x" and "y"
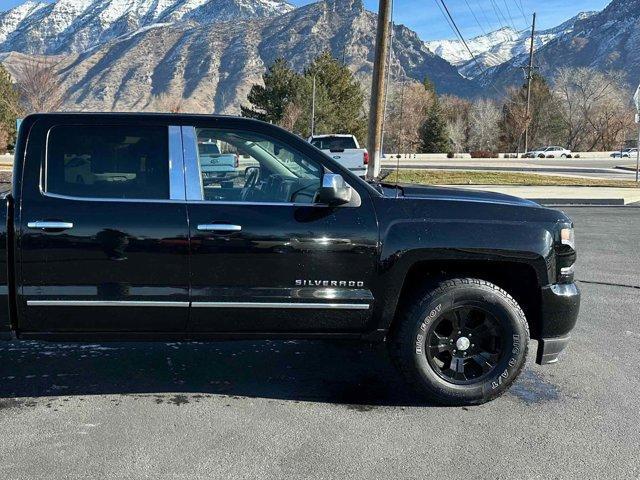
{"x": 334, "y": 190}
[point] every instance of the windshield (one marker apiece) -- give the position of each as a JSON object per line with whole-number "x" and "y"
{"x": 334, "y": 143}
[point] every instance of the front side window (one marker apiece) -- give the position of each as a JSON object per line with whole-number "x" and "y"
{"x": 239, "y": 166}
{"x": 116, "y": 162}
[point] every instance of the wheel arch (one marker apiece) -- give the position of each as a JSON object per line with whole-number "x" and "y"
{"x": 518, "y": 279}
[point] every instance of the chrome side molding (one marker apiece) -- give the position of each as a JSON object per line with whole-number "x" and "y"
{"x": 103, "y": 303}
{"x": 45, "y": 225}
{"x": 219, "y": 227}
{"x": 143, "y": 303}
{"x": 287, "y": 305}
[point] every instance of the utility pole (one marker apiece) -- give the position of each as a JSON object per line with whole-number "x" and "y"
{"x": 529, "y": 77}
{"x": 636, "y": 100}
{"x": 376, "y": 110}
{"x": 313, "y": 107}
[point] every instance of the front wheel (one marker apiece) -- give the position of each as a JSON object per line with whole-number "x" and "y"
{"x": 463, "y": 342}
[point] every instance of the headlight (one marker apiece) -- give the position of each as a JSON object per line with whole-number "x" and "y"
{"x": 568, "y": 237}
{"x": 566, "y": 255}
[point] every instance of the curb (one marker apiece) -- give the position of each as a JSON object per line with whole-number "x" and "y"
{"x": 599, "y": 202}
{"x": 485, "y": 168}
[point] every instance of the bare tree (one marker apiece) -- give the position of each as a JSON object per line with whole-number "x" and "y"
{"x": 4, "y": 138}
{"x": 456, "y": 112}
{"x": 457, "y": 132}
{"x": 484, "y": 127}
{"x": 406, "y": 112}
{"x": 38, "y": 83}
{"x": 594, "y": 106}
{"x": 291, "y": 114}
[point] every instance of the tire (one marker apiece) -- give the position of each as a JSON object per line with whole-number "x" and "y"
{"x": 432, "y": 313}
{"x": 541, "y": 155}
{"x": 564, "y": 155}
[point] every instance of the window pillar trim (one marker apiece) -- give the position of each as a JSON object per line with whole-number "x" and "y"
{"x": 194, "y": 190}
{"x": 177, "y": 190}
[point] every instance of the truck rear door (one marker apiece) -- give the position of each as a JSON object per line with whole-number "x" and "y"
{"x": 102, "y": 228}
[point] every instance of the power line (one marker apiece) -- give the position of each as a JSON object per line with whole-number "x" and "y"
{"x": 484, "y": 14}
{"x": 457, "y": 31}
{"x": 499, "y": 15}
{"x": 445, "y": 16}
{"x": 474, "y": 16}
{"x": 506, "y": 5}
{"x": 521, "y": 8}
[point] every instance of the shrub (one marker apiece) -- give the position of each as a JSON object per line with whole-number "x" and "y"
{"x": 483, "y": 154}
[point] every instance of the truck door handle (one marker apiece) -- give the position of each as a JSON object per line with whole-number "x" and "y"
{"x": 219, "y": 227}
{"x": 45, "y": 225}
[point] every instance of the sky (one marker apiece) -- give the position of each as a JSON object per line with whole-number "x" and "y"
{"x": 424, "y": 17}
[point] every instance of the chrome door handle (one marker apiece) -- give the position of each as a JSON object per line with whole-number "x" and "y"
{"x": 219, "y": 227}
{"x": 44, "y": 225}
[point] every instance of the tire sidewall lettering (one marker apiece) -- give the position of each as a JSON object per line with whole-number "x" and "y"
{"x": 424, "y": 326}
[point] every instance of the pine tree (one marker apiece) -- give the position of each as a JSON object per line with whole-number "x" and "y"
{"x": 9, "y": 108}
{"x": 286, "y": 98}
{"x": 269, "y": 101}
{"x": 428, "y": 85}
{"x": 339, "y": 99}
{"x": 433, "y": 133}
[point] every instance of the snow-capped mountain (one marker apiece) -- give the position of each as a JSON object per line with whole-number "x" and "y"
{"x": 73, "y": 26}
{"x": 498, "y": 47}
{"x": 606, "y": 41}
{"x": 212, "y": 67}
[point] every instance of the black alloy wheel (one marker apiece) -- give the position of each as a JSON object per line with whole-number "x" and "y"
{"x": 464, "y": 345}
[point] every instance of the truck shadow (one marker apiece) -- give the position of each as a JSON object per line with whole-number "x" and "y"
{"x": 347, "y": 373}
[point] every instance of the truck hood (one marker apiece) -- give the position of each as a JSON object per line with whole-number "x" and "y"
{"x": 455, "y": 194}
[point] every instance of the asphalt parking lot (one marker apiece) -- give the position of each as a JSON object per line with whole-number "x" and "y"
{"x": 333, "y": 410}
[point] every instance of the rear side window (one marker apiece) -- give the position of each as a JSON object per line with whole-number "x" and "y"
{"x": 107, "y": 161}
{"x": 333, "y": 143}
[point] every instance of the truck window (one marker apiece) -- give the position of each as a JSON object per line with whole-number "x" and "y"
{"x": 335, "y": 144}
{"x": 107, "y": 161}
{"x": 251, "y": 167}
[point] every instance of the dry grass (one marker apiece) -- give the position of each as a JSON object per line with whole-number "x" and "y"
{"x": 459, "y": 177}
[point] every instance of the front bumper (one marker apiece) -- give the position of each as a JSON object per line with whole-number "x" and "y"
{"x": 559, "y": 313}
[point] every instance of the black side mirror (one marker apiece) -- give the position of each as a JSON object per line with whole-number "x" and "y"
{"x": 334, "y": 190}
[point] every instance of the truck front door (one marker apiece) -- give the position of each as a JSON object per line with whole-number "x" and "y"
{"x": 102, "y": 229}
{"x": 265, "y": 256}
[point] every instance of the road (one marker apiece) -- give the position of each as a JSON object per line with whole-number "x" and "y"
{"x": 587, "y": 167}
{"x": 278, "y": 409}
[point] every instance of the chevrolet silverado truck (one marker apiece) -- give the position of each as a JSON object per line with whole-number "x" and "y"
{"x": 455, "y": 282}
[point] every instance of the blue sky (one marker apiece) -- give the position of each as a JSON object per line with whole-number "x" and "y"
{"x": 424, "y": 17}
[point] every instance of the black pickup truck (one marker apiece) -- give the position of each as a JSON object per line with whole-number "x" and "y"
{"x": 112, "y": 231}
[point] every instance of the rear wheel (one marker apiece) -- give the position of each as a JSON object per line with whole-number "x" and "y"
{"x": 462, "y": 342}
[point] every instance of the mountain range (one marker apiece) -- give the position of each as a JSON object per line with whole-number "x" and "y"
{"x": 124, "y": 54}
{"x": 499, "y": 46}
{"x": 607, "y": 41}
{"x": 128, "y": 54}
